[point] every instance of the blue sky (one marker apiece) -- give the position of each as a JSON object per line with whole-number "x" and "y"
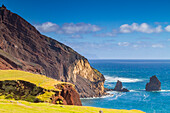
{"x": 102, "y": 29}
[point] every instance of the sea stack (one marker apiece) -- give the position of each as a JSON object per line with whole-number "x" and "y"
{"x": 119, "y": 87}
{"x": 154, "y": 84}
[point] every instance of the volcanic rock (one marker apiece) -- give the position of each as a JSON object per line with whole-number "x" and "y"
{"x": 22, "y": 47}
{"x": 119, "y": 87}
{"x": 154, "y": 84}
{"x": 70, "y": 95}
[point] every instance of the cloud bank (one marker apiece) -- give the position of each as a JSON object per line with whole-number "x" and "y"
{"x": 144, "y": 28}
{"x": 68, "y": 28}
{"x": 76, "y": 30}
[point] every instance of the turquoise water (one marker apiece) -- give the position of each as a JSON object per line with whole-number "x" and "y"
{"x": 134, "y": 74}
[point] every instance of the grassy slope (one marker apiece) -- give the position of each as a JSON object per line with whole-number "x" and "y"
{"x": 39, "y": 80}
{"x": 26, "y": 107}
{"x": 46, "y": 83}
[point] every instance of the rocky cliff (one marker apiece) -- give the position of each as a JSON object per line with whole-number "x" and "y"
{"x": 22, "y": 47}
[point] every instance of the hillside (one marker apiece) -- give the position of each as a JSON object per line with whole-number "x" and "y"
{"x": 22, "y": 47}
{"x": 20, "y": 85}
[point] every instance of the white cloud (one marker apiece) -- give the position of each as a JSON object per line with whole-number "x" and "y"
{"x": 157, "y": 46}
{"x": 167, "y": 28}
{"x": 68, "y": 28}
{"x": 123, "y": 43}
{"x": 144, "y": 28}
{"x": 76, "y": 36}
{"x": 135, "y": 46}
{"x": 168, "y": 39}
{"x": 47, "y": 27}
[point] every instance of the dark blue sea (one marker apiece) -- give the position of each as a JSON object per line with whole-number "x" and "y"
{"x": 134, "y": 74}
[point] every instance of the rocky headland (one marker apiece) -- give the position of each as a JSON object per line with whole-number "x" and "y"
{"x": 22, "y": 47}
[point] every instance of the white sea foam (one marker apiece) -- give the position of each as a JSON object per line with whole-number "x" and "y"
{"x": 122, "y": 79}
{"x": 133, "y": 91}
{"x": 105, "y": 96}
{"x": 150, "y": 91}
{"x": 116, "y": 95}
{"x": 162, "y": 91}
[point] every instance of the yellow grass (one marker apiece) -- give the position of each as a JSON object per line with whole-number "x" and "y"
{"x": 26, "y": 107}
{"x": 39, "y": 80}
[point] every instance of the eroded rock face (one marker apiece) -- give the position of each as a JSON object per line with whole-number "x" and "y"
{"x": 154, "y": 84}
{"x": 119, "y": 87}
{"x": 22, "y": 47}
{"x": 70, "y": 95}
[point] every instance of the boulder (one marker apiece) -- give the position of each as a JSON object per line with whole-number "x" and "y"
{"x": 154, "y": 84}
{"x": 119, "y": 87}
{"x": 69, "y": 94}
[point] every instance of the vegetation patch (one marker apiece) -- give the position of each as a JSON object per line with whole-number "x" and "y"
{"x": 20, "y": 85}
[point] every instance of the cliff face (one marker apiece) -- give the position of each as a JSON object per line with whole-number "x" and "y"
{"x": 22, "y": 47}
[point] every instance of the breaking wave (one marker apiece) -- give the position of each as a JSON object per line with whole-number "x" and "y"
{"x": 162, "y": 91}
{"x": 105, "y": 96}
{"x": 149, "y": 91}
{"x": 122, "y": 79}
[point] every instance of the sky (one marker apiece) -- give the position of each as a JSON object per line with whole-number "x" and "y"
{"x": 102, "y": 29}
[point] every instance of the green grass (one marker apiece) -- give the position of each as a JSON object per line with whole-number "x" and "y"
{"x": 8, "y": 106}
{"x": 38, "y": 80}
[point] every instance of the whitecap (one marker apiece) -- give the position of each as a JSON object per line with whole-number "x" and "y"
{"x": 116, "y": 95}
{"x": 122, "y": 79}
{"x": 162, "y": 91}
{"x": 134, "y": 90}
{"x": 104, "y": 96}
{"x": 149, "y": 91}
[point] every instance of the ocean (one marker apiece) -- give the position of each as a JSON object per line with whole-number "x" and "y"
{"x": 134, "y": 74}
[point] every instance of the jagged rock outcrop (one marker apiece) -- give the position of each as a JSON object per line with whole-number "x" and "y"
{"x": 22, "y": 47}
{"x": 154, "y": 84}
{"x": 70, "y": 95}
{"x": 119, "y": 87}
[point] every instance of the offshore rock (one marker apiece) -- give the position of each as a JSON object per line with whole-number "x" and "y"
{"x": 119, "y": 87}
{"x": 154, "y": 84}
{"x": 22, "y": 47}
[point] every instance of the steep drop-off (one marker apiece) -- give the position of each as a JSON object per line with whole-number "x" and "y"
{"x": 22, "y": 47}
